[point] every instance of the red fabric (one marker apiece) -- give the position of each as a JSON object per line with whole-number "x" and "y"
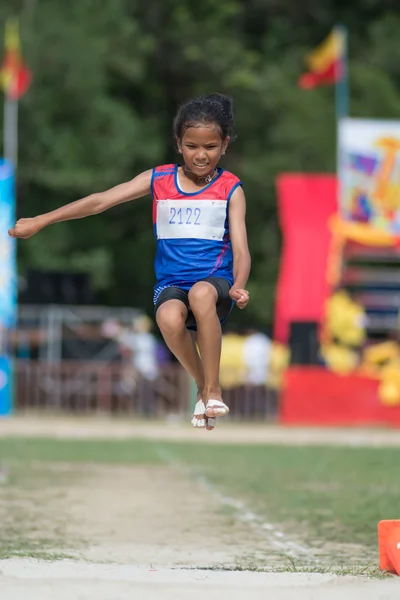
{"x": 163, "y": 186}
{"x": 315, "y": 396}
{"x": 330, "y": 76}
{"x": 305, "y": 203}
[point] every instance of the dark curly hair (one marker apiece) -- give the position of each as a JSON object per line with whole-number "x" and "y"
{"x": 214, "y": 108}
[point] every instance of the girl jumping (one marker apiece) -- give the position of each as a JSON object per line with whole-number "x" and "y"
{"x": 202, "y": 259}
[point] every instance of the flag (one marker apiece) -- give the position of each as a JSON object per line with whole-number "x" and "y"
{"x": 326, "y": 62}
{"x": 15, "y": 77}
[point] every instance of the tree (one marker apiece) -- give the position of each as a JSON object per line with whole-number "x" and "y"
{"x": 108, "y": 79}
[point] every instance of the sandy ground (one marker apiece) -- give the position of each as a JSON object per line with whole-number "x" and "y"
{"x": 174, "y": 430}
{"x": 158, "y": 516}
{"x": 158, "y": 532}
{"x": 154, "y": 516}
{"x": 28, "y": 579}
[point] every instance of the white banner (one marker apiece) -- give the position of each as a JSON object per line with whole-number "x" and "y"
{"x": 369, "y": 173}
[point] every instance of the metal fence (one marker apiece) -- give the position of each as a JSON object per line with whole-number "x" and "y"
{"x": 96, "y": 386}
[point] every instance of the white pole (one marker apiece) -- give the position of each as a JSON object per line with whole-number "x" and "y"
{"x": 11, "y": 130}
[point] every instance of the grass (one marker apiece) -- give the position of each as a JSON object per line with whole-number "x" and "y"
{"x": 338, "y": 494}
{"x": 354, "y": 571}
{"x": 326, "y": 497}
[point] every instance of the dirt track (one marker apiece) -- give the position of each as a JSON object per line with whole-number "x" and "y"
{"x": 136, "y": 529}
{"x": 225, "y": 432}
{"x": 153, "y": 516}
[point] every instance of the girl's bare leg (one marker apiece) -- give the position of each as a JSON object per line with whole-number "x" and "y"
{"x": 171, "y": 319}
{"x": 210, "y": 423}
{"x": 203, "y": 298}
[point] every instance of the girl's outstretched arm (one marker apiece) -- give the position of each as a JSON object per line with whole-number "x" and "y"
{"x": 241, "y": 254}
{"x": 91, "y": 205}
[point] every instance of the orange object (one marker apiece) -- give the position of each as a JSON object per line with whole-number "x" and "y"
{"x": 389, "y": 546}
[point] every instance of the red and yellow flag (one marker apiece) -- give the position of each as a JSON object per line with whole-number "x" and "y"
{"x": 15, "y": 77}
{"x": 325, "y": 63}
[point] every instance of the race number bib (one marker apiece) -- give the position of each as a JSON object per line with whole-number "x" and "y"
{"x": 204, "y": 219}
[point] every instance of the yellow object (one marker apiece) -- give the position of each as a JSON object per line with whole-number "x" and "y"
{"x": 327, "y": 53}
{"x": 381, "y": 353}
{"x": 362, "y": 233}
{"x": 279, "y": 361}
{"x": 389, "y": 393}
{"x": 232, "y": 369}
{"x": 339, "y": 359}
{"x": 389, "y": 389}
{"x": 345, "y": 320}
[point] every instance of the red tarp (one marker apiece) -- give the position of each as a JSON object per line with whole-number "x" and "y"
{"x": 305, "y": 203}
{"x": 315, "y": 396}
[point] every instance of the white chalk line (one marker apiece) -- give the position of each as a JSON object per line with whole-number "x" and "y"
{"x": 275, "y": 537}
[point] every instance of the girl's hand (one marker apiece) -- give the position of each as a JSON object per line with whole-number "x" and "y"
{"x": 241, "y": 297}
{"x": 25, "y": 228}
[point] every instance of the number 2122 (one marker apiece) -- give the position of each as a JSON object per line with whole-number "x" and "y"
{"x": 181, "y": 215}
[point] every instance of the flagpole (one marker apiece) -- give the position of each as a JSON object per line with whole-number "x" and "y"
{"x": 342, "y": 76}
{"x": 11, "y": 130}
{"x": 341, "y": 97}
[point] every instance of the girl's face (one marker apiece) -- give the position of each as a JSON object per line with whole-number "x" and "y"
{"x": 202, "y": 147}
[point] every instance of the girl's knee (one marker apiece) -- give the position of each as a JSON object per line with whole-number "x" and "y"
{"x": 171, "y": 319}
{"x": 202, "y": 296}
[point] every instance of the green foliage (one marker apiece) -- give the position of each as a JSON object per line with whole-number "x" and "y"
{"x": 108, "y": 78}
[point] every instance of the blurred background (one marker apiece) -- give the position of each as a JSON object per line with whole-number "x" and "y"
{"x": 90, "y": 91}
